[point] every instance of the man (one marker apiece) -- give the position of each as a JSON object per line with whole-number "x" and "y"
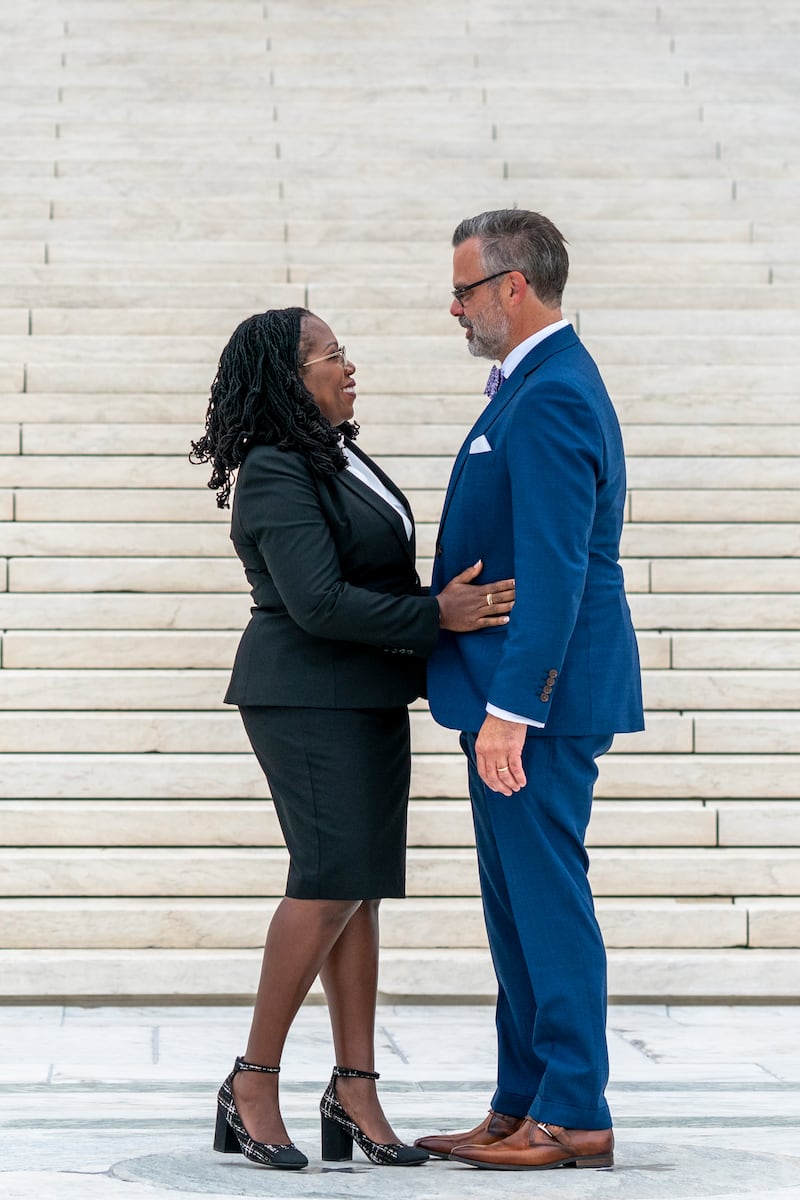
{"x": 537, "y": 492}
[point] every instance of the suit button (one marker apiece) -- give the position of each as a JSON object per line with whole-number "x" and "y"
{"x": 545, "y": 696}
{"x": 552, "y": 674}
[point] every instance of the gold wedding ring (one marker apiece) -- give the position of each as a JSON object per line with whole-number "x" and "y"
{"x": 489, "y": 599}
{"x": 501, "y": 769}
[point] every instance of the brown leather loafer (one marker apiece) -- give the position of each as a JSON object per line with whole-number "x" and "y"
{"x": 495, "y": 1128}
{"x": 540, "y": 1147}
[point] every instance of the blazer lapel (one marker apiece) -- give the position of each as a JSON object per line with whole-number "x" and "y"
{"x": 380, "y": 505}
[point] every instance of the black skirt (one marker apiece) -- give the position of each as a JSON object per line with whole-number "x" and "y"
{"x": 339, "y": 779}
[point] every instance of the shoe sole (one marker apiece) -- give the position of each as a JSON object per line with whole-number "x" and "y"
{"x": 598, "y": 1162}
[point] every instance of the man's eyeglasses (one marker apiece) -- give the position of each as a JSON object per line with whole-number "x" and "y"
{"x": 460, "y": 292}
{"x": 341, "y": 354}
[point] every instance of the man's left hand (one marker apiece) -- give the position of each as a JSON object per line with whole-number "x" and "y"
{"x": 498, "y": 749}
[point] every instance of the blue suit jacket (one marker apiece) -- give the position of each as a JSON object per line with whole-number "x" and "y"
{"x": 543, "y": 504}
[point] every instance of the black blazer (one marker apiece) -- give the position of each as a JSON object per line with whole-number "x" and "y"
{"x": 339, "y": 619}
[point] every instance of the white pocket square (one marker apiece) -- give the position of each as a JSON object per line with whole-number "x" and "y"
{"x": 480, "y": 445}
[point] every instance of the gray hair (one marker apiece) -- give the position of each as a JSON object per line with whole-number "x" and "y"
{"x": 514, "y": 239}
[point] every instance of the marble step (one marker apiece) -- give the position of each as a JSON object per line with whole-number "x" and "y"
{"x": 710, "y": 610}
{"x": 135, "y": 731}
{"x": 635, "y": 774}
{"x": 384, "y": 408}
{"x": 237, "y": 823}
{"x": 118, "y": 538}
{"x": 410, "y": 472}
{"x": 210, "y": 823}
{"x": 226, "y": 924}
{"x": 690, "y": 540}
{"x": 129, "y": 574}
{"x": 87, "y": 286}
{"x": 174, "y": 610}
{"x": 641, "y": 441}
{"x": 689, "y": 504}
{"x": 457, "y": 378}
{"x": 120, "y": 649}
{"x": 598, "y": 232}
{"x": 211, "y": 321}
{"x": 198, "y": 540}
{"x": 217, "y": 574}
{"x": 665, "y": 689}
{"x": 240, "y": 872}
{"x": 725, "y": 574}
{"x": 126, "y": 505}
{"x": 440, "y": 351}
{"x": 181, "y": 540}
{"x": 191, "y": 976}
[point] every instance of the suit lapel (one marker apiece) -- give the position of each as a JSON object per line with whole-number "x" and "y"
{"x": 551, "y": 345}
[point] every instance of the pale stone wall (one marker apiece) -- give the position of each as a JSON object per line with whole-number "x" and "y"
{"x": 168, "y": 168}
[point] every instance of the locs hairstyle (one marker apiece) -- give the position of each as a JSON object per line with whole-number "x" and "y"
{"x": 258, "y": 397}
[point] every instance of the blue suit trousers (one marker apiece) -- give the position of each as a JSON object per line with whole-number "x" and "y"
{"x": 545, "y": 942}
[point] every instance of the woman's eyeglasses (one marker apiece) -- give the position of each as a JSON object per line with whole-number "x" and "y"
{"x": 341, "y": 354}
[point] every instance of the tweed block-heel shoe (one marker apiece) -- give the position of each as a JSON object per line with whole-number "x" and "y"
{"x": 339, "y": 1131}
{"x": 231, "y": 1137}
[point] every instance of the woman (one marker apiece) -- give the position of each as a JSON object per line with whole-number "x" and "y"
{"x": 332, "y": 655}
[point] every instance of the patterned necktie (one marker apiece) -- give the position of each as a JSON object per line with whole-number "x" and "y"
{"x": 496, "y": 377}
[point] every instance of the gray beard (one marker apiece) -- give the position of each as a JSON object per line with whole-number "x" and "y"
{"x": 490, "y": 342}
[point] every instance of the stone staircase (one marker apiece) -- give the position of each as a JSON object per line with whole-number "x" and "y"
{"x": 168, "y": 169}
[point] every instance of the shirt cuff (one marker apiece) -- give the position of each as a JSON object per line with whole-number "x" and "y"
{"x": 493, "y": 711}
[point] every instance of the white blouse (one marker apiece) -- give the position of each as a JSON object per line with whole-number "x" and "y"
{"x": 368, "y": 476}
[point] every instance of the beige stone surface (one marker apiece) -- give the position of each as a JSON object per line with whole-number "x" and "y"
{"x": 773, "y": 924}
{"x": 693, "y": 872}
{"x": 765, "y": 823}
{"x": 675, "y": 610}
{"x": 711, "y": 689}
{"x": 130, "y": 539}
{"x": 14, "y": 320}
{"x": 709, "y": 776}
{"x": 683, "y": 974}
{"x": 672, "y": 924}
{"x": 718, "y": 505}
{"x": 736, "y": 574}
{"x": 75, "y": 690}
{"x": 128, "y": 504}
{"x": 747, "y": 732}
{"x": 753, "y": 651}
{"x": 118, "y": 611}
{"x": 122, "y": 732}
{"x": 720, "y": 540}
{"x": 707, "y": 472}
{"x": 172, "y": 819}
{"x": 110, "y": 649}
{"x": 164, "y": 176}
{"x": 129, "y": 574}
{"x": 222, "y": 923}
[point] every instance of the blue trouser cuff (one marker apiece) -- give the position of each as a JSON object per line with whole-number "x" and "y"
{"x": 511, "y": 1104}
{"x": 552, "y": 1113}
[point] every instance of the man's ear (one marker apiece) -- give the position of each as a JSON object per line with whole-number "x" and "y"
{"x": 519, "y": 287}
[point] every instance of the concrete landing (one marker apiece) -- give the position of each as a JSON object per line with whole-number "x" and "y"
{"x": 100, "y": 1103}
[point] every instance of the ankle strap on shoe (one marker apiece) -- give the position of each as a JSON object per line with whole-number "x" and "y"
{"x": 352, "y": 1073}
{"x": 241, "y": 1065}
